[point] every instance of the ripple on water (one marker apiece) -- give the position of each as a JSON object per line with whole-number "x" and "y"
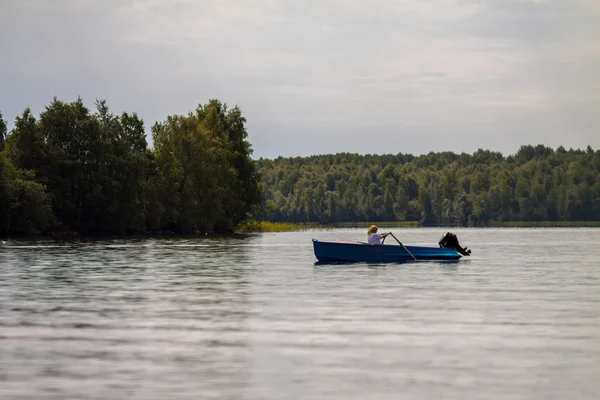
{"x": 252, "y": 316}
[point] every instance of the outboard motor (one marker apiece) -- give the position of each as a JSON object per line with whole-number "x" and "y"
{"x": 450, "y": 241}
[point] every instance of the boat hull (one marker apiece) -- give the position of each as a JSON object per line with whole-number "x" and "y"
{"x": 341, "y": 251}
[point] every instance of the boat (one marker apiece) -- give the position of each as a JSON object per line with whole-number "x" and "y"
{"x": 356, "y": 251}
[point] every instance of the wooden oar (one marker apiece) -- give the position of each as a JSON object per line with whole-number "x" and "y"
{"x": 403, "y": 246}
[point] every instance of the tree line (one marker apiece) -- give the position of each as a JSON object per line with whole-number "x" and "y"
{"x": 537, "y": 183}
{"x": 92, "y": 172}
{"x": 72, "y": 170}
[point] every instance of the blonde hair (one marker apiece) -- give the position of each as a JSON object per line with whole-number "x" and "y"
{"x": 372, "y": 229}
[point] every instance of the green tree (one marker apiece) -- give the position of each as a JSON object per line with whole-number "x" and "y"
{"x": 3, "y": 132}
{"x": 25, "y": 147}
{"x": 26, "y": 207}
{"x": 73, "y": 170}
{"x": 206, "y": 179}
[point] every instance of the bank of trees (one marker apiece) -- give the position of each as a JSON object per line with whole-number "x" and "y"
{"x": 92, "y": 172}
{"x": 73, "y": 170}
{"x": 538, "y": 183}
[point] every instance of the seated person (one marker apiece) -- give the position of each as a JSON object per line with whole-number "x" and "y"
{"x": 375, "y": 238}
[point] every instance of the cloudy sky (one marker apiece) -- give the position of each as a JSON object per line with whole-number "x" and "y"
{"x": 314, "y": 77}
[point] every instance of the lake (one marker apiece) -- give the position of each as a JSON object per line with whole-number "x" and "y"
{"x": 252, "y": 317}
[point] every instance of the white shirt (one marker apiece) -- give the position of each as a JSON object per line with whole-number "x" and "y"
{"x": 375, "y": 238}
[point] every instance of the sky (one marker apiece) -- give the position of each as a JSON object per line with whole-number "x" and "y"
{"x": 317, "y": 77}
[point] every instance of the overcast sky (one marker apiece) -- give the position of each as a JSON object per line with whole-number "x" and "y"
{"x": 315, "y": 77}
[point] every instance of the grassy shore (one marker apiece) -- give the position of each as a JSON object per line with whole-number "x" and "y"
{"x": 265, "y": 226}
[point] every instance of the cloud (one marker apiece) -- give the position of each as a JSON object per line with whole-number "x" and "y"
{"x": 425, "y": 75}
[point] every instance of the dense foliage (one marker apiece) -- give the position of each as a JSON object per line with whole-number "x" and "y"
{"x": 536, "y": 184}
{"x": 71, "y": 170}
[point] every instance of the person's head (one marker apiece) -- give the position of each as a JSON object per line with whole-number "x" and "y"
{"x": 372, "y": 229}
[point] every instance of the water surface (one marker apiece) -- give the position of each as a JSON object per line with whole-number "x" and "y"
{"x": 253, "y": 317}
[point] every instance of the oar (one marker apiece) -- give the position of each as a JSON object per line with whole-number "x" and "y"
{"x": 403, "y": 246}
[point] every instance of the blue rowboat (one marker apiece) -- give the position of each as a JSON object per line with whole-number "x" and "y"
{"x": 349, "y": 251}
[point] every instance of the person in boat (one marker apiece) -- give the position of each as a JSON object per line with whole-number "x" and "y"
{"x": 375, "y": 238}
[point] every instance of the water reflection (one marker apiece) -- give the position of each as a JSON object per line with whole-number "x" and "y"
{"x": 252, "y": 316}
{"x": 176, "y": 305}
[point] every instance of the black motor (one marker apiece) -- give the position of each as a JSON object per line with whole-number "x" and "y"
{"x": 450, "y": 241}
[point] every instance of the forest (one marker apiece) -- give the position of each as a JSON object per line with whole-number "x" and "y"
{"x": 537, "y": 183}
{"x": 74, "y": 171}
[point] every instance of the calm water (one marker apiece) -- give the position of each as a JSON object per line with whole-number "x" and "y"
{"x": 252, "y": 317}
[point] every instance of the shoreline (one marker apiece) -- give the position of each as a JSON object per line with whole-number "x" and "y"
{"x": 265, "y": 227}
{"x": 261, "y": 226}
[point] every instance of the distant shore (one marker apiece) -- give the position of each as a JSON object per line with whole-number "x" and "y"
{"x": 264, "y": 226}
